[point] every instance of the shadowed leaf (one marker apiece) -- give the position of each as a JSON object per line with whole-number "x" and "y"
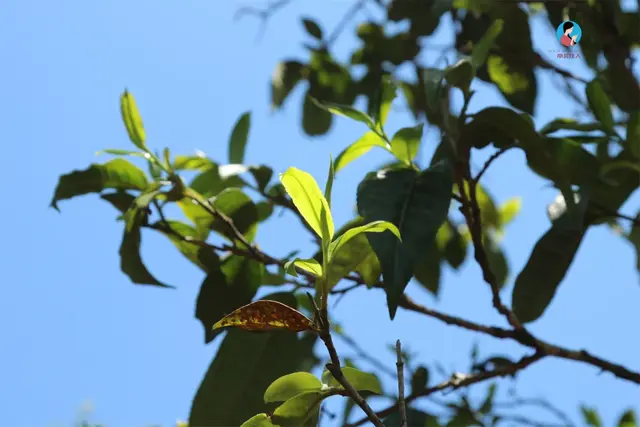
{"x": 238, "y": 139}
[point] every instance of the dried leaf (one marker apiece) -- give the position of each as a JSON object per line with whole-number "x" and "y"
{"x": 266, "y": 315}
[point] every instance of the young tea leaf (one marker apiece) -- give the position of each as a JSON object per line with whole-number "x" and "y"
{"x": 132, "y": 120}
{"x": 308, "y": 198}
{"x": 346, "y": 111}
{"x": 406, "y": 142}
{"x": 297, "y": 410}
{"x": 481, "y": 49}
{"x": 310, "y": 265}
{"x": 266, "y": 315}
{"x": 600, "y": 104}
{"x": 359, "y": 148}
{"x": 361, "y": 381}
{"x": 372, "y": 227}
{"x": 288, "y": 386}
{"x": 260, "y": 420}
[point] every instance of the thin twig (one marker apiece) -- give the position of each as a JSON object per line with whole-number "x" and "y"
{"x": 401, "y": 403}
{"x": 351, "y": 13}
{"x": 381, "y": 367}
{"x": 490, "y": 160}
{"x": 461, "y": 380}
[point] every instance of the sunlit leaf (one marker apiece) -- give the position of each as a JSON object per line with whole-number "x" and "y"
{"x": 628, "y": 419}
{"x": 509, "y": 210}
{"x": 291, "y": 385}
{"x": 266, "y": 315}
{"x": 372, "y": 227}
{"x": 310, "y": 265}
{"x": 309, "y": 200}
{"x": 346, "y": 111}
{"x": 481, "y": 49}
{"x": 569, "y": 124}
{"x": 360, "y": 148}
{"x": 260, "y": 420}
{"x": 361, "y": 381}
{"x": 297, "y": 410}
{"x": 133, "y": 120}
{"x": 406, "y": 142}
{"x": 590, "y": 416}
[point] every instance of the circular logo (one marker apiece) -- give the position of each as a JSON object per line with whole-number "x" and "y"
{"x": 569, "y": 33}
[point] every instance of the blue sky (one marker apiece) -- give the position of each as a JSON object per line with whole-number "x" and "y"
{"x": 75, "y": 330}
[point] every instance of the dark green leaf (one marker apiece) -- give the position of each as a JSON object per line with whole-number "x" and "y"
{"x": 120, "y": 200}
{"x": 227, "y": 287}
{"x": 285, "y": 78}
{"x": 239, "y": 207}
{"x": 497, "y": 261}
{"x": 117, "y": 173}
{"x": 203, "y": 257}
{"x": 634, "y": 238}
{"x": 130, "y": 261}
{"x": 624, "y": 85}
{"x": 455, "y": 249}
{"x": 239, "y": 137}
{"x": 419, "y": 380}
{"x": 345, "y": 111}
{"x": 591, "y": 416}
{"x": 417, "y": 203}
{"x": 315, "y": 120}
{"x": 312, "y": 28}
{"x": 500, "y": 125}
{"x": 428, "y": 271}
{"x": 569, "y": 124}
{"x": 481, "y": 50}
{"x": 433, "y": 87}
{"x": 633, "y": 134}
{"x": 628, "y": 419}
{"x": 244, "y": 366}
{"x": 262, "y": 175}
{"x": 600, "y": 104}
{"x": 460, "y": 75}
{"x": 550, "y": 259}
{"x": 516, "y": 81}
{"x": 415, "y": 418}
{"x": 487, "y": 404}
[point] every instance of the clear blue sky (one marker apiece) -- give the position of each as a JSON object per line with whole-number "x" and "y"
{"x": 75, "y": 330}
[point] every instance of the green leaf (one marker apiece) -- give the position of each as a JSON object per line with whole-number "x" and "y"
{"x": 312, "y": 28}
{"x": 285, "y": 77}
{"x": 628, "y": 419}
{"x": 460, "y": 74}
{"x": 455, "y": 248}
{"x": 239, "y": 207}
{"x": 406, "y": 142}
{"x": 481, "y": 50}
{"x": 633, "y": 134}
{"x": 569, "y": 124}
{"x": 419, "y": 380}
{"x": 516, "y": 81}
{"x": 346, "y": 111}
{"x": 118, "y": 174}
{"x": 262, "y": 175}
{"x": 119, "y": 152}
{"x": 414, "y": 418}
{"x": 428, "y": 271}
{"x": 310, "y": 265}
{"x": 634, "y": 239}
{"x": 244, "y": 366}
{"x": 297, "y": 410}
{"x": 315, "y": 120}
{"x": 260, "y": 420}
{"x": 132, "y": 120}
{"x": 372, "y": 227}
{"x": 288, "y": 386}
{"x": 198, "y": 162}
{"x": 591, "y": 417}
{"x": 487, "y": 404}
{"x": 356, "y": 255}
{"x": 329, "y": 185}
{"x": 417, "y": 203}
{"x": 388, "y": 93}
{"x": 499, "y": 124}
{"x": 204, "y": 258}
{"x": 361, "y": 381}
{"x": 600, "y": 104}
{"x": 433, "y": 87}
{"x": 131, "y": 262}
{"x": 509, "y": 210}
{"x": 360, "y": 148}
{"x": 497, "y": 261}
{"x": 308, "y": 198}
{"x": 228, "y": 286}
{"x": 239, "y": 137}
{"x": 550, "y": 259}
{"x": 120, "y": 200}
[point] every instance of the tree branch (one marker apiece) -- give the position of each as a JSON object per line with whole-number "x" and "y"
{"x": 462, "y": 380}
{"x": 401, "y": 403}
